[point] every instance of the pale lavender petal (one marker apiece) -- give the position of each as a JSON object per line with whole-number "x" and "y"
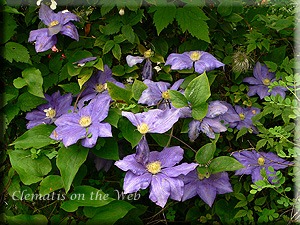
{"x": 133, "y": 118}
{"x": 251, "y": 112}
{"x": 46, "y": 15}
{"x": 142, "y": 151}
{"x": 206, "y": 192}
{"x": 54, "y": 29}
{"x": 152, "y": 95}
{"x": 190, "y": 190}
{"x": 253, "y": 90}
{"x": 85, "y": 98}
{"x": 133, "y": 183}
{"x": 100, "y": 107}
{"x": 262, "y": 91}
{"x": 35, "y": 115}
{"x": 162, "y": 86}
{"x": 182, "y": 169}
{"x": 165, "y": 121}
{"x": 44, "y": 43}
{"x": 68, "y": 134}
{"x": 190, "y": 177}
{"x": 133, "y": 60}
{"x": 34, "y": 123}
{"x": 207, "y": 62}
{"x": 194, "y": 129}
{"x": 221, "y": 182}
{"x": 35, "y": 33}
{"x": 68, "y": 119}
{"x": 246, "y": 157}
{"x": 179, "y": 61}
{"x": 170, "y": 156}
{"x": 67, "y": 16}
{"x": 129, "y": 163}
{"x": 160, "y": 190}
{"x": 90, "y": 142}
{"x": 147, "y": 72}
{"x": 278, "y": 90}
{"x": 177, "y": 84}
{"x": 85, "y": 60}
{"x": 252, "y": 80}
{"x": 206, "y": 129}
{"x": 70, "y": 30}
{"x": 215, "y": 125}
{"x": 176, "y": 187}
{"x": 257, "y": 71}
{"x": 215, "y": 108}
{"x": 104, "y": 129}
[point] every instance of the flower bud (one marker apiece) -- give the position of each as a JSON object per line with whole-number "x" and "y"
{"x": 122, "y": 12}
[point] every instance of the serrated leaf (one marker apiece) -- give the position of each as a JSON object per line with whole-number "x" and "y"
{"x": 8, "y": 27}
{"x": 108, "y": 46}
{"x": 261, "y": 143}
{"x": 116, "y": 51}
{"x": 163, "y": 16}
{"x": 112, "y": 28}
{"x": 198, "y": 27}
{"x": 17, "y": 52}
{"x": 128, "y": 33}
{"x": 241, "y": 132}
{"x": 178, "y": 100}
{"x": 107, "y": 6}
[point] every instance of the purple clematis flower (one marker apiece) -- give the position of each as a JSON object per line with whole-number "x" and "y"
{"x": 240, "y": 117}
{"x": 57, "y": 22}
{"x": 82, "y": 62}
{"x": 97, "y": 85}
{"x": 206, "y": 188}
{"x": 86, "y": 124}
{"x": 160, "y": 173}
{"x": 210, "y": 124}
{"x": 255, "y": 162}
{"x": 202, "y": 61}
{"x": 261, "y": 80}
{"x": 147, "y": 69}
{"x": 49, "y": 112}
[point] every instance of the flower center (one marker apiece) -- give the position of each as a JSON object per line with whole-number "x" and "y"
{"x": 85, "y": 121}
{"x": 154, "y": 167}
{"x": 166, "y": 94}
{"x": 266, "y": 82}
{"x": 50, "y": 112}
{"x": 200, "y": 176}
{"x": 261, "y": 161}
{"x": 148, "y": 54}
{"x": 53, "y": 23}
{"x": 195, "y": 56}
{"x": 253, "y": 112}
{"x": 143, "y": 128}
{"x": 101, "y": 87}
{"x": 242, "y": 116}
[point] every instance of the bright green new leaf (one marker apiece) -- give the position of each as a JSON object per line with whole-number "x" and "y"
{"x": 137, "y": 88}
{"x": 224, "y": 163}
{"x": 178, "y": 100}
{"x": 85, "y": 196}
{"x": 84, "y": 76}
{"x": 50, "y": 183}
{"x": 19, "y": 82}
{"x": 34, "y": 80}
{"x": 30, "y": 170}
{"x": 99, "y": 64}
{"x": 69, "y": 161}
{"x": 205, "y": 153}
{"x": 36, "y": 137}
{"x": 241, "y": 132}
{"x": 163, "y": 16}
{"x": 118, "y": 93}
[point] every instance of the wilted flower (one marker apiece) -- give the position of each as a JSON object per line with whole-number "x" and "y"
{"x": 210, "y": 124}
{"x": 254, "y": 162}
{"x": 240, "y": 117}
{"x": 160, "y": 172}
{"x": 86, "y": 124}
{"x": 57, "y": 22}
{"x": 49, "y": 112}
{"x": 261, "y": 80}
{"x": 82, "y": 62}
{"x": 206, "y": 188}
{"x": 240, "y": 62}
{"x": 97, "y": 85}
{"x": 147, "y": 69}
{"x": 202, "y": 61}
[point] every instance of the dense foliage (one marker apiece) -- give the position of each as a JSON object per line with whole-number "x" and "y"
{"x": 149, "y": 111}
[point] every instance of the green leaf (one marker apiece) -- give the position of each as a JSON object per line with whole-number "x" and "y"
{"x": 161, "y": 139}
{"x": 27, "y": 101}
{"x": 116, "y": 51}
{"x": 241, "y": 204}
{"x": 36, "y": 137}
{"x": 128, "y": 33}
{"x": 233, "y": 17}
{"x": 107, "y": 6}
{"x": 99, "y": 65}
{"x": 225, "y": 8}
{"x": 241, "y": 132}
{"x": 69, "y": 161}
{"x": 241, "y": 213}
{"x": 8, "y": 27}
{"x": 224, "y": 163}
{"x": 273, "y": 66}
{"x": 108, "y": 46}
{"x": 205, "y": 153}
{"x": 17, "y": 52}
{"x": 110, "y": 150}
{"x": 84, "y": 76}
{"x": 19, "y": 82}
{"x": 34, "y": 80}
{"x": 163, "y": 16}
{"x": 200, "y": 111}
{"x": 198, "y": 28}
{"x": 137, "y": 88}
{"x": 25, "y": 219}
{"x": 70, "y": 87}
{"x": 129, "y": 132}
{"x": 110, "y": 213}
{"x": 240, "y": 196}
{"x": 118, "y": 70}
{"x": 251, "y": 47}
{"x": 260, "y": 201}
{"x": 30, "y": 170}
{"x": 85, "y": 196}
{"x": 178, "y": 100}
{"x": 198, "y": 90}
{"x": 50, "y": 183}
{"x": 72, "y": 69}
{"x": 118, "y": 93}
{"x": 261, "y": 143}
{"x": 113, "y": 117}
{"x": 112, "y": 28}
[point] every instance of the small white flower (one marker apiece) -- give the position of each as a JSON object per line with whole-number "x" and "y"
{"x": 38, "y": 3}
{"x": 122, "y": 12}
{"x": 129, "y": 80}
{"x": 157, "y": 68}
{"x": 53, "y": 5}
{"x": 65, "y": 11}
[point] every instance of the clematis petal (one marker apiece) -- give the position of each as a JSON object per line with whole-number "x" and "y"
{"x": 177, "y": 84}
{"x": 35, "y": 115}
{"x": 207, "y": 62}
{"x": 221, "y": 182}
{"x": 70, "y": 30}
{"x": 170, "y": 156}
{"x": 68, "y": 119}
{"x": 176, "y": 188}
{"x": 64, "y": 104}
{"x": 252, "y": 80}
{"x": 216, "y": 125}
{"x": 100, "y": 108}
{"x": 104, "y": 130}
{"x": 206, "y": 192}
{"x": 68, "y": 134}
{"x": 257, "y": 71}
{"x": 133, "y": 183}
{"x": 90, "y": 142}
{"x": 105, "y": 75}
{"x": 189, "y": 191}
{"x": 152, "y": 95}
{"x": 263, "y": 91}
{"x": 85, "y": 60}
{"x": 256, "y": 175}
{"x": 44, "y": 43}
{"x": 133, "y": 60}
{"x": 194, "y": 129}
{"x": 147, "y": 72}
{"x": 182, "y": 169}
{"x": 142, "y": 151}
{"x": 35, "y": 33}
{"x": 160, "y": 190}
{"x": 165, "y": 121}
{"x": 129, "y": 163}
{"x": 179, "y": 61}
{"x": 34, "y": 123}
{"x": 207, "y": 130}
{"x": 215, "y": 109}
{"x": 46, "y": 15}
{"x": 278, "y": 90}
{"x": 66, "y": 16}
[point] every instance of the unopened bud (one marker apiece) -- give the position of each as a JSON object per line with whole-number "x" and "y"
{"x": 122, "y": 12}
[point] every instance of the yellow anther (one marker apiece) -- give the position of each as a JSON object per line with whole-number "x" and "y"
{"x": 166, "y": 94}
{"x": 195, "y": 56}
{"x": 261, "y": 161}
{"x": 154, "y": 167}
{"x": 85, "y": 121}
{"x": 143, "y": 128}
{"x": 253, "y": 111}
{"x": 266, "y": 82}
{"x": 101, "y": 87}
{"x": 148, "y": 54}
{"x": 53, "y": 23}
{"x": 242, "y": 116}
{"x": 50, "y": 113}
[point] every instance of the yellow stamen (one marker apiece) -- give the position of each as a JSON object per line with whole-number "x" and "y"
{"x": 266, "y": 82}
{"x": 50, "y": 112}
{"x": 253, "y": 111}
{"x": 101, "y": 87}
{"x": 154, "y": 167}
{"x": 53, "y": 23}
{"x": 166, "y": 94}
{"x": 148, "y": 54}
{"x": 242, "y": 116}
{"x": 261, "y": 161}
{"x": 85, "y": 121}
{"x": 143, "y": 128}
{"x": 195, "y": 56}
